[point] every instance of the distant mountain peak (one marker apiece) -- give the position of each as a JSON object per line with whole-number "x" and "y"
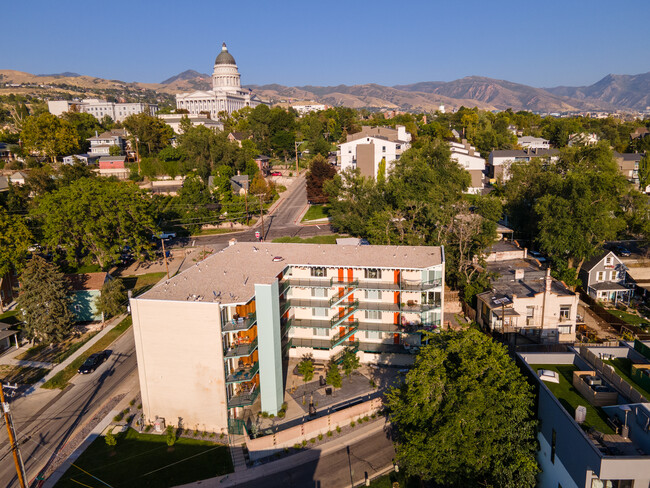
{"x": 189, "y": 74}
{"x": 65, "y": 74}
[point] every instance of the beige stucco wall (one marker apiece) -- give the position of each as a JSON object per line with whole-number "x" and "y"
{"x": 180, "y": 362}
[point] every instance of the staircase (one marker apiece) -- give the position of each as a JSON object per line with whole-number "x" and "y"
{"x": 237, "y": 452}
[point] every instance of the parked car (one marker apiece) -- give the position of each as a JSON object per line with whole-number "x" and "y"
{"x": 276, "y": 173}
{"x": 166, "y": 235}
{"x": 93, "y": 362}
{"x": 622, "y": 251}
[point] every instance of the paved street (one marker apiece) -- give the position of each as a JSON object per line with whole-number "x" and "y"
{"x": 45, "y": 421}
{"x": 336, "y": 470}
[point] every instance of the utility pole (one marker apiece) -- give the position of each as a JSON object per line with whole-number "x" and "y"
{"x": 296, "y": 146}
{"x": 137, "y": 153}
{"x": 246, "y": 204}
{"x": 18, "y": 460}
{"x": 261, "y": 214}
{"x": 165, "y": 256}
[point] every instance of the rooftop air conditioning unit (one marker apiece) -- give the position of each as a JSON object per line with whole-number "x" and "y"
{"x": 593, "y": 380}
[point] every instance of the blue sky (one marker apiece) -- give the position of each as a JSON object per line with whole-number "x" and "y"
{"x": 549, "y": 43}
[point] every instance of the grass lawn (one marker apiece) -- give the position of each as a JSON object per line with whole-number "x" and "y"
{"x": 61, "y": 379}
{"x": 570, "y": 398}
{"x": 143, "y": 461}
{"x": 10, "y": 317}
{"x": 141, "y": 283}
{"x": 630, "y": 318}
{"x": 57, "y": 352}
{"x": 387, "y": 481}
{"x": 331, "y": 239}
{"x": 316, "y": 212}
{"x": 21, "y": 374}
{"x": 622, "y": 366}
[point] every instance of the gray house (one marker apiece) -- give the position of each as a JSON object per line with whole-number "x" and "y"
{"x": 603, "y": 278}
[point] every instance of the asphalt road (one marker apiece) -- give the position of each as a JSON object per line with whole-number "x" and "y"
{"x": 42, "y": 432}
{"x": 336, "y": 470}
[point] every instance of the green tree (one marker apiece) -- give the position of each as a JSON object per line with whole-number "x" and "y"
{"x": 70, "y": 173}
{"x": 45, "y": 302}
{"x": 350, "y": 362}
{"x": 95, "y": 217}
{"x": 110, "y": 439}
{"x": 306, "y": 369}
{"x": 170, "y": 436}
{"x": 333, "y": 376}
{"x": 115, "y": 150}
{"x": 149, "y": 134}
{"x": 49, "y": 135}
{"x": 112, "y": 300}
{"x": 196, "y": 204}
{"x": 319, "y": 172}
{"x": 15, "y": 239}
{"x": 464, "y": 415}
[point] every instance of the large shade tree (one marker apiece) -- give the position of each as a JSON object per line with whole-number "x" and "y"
{"x": 464, "y": 415}
{"x": 49, "y": 135}
{"x": 95, "y": 217}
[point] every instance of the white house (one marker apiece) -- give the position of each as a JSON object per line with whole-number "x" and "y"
{"x": 306, "y": 107}
{"x": 470, "y": 160}
{"x": 100, "y": 144}
{"x": 500, "y": 161}
{"x": 530, "y": 142}
{"x": 174, "y": 121}
{"x": 583, "y": 139}
{"x": 83, "y": 158}
{"x": 367, "y": 149}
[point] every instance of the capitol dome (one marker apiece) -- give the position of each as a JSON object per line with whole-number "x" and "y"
{"x": 224, "y": 56}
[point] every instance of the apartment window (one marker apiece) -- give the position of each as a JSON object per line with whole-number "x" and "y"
{"x": 613, "y": 275}
{"x": 600, "y": 276}
{"x": 608, "y": 260}
{"x": 373, "y": 314}
{"x": 373, "y": 295}
{"x": 319, "y": 312}
{"x": 565, "y": 312}
{"x": 373, "y": 334}
{"x": 553, "y": 441}
{"x": 318, "y": 272}
{"x": 319, "y": 292}
{"x": 372, "y": 274}
{"x": 383, "y": 148}
{"x": 321, "y": 332}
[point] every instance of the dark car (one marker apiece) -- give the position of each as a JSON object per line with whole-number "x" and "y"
{"x": 622, "y": 251}
{"x": 93, "y": 362}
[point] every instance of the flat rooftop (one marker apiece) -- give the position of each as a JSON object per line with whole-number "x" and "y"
{"x": 230, "y": 275}
{"x": 531, "y": 284}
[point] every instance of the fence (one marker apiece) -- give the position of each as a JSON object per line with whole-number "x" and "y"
{"x": 268, "y": 445}
{"x": 642, "y": 349}
{"x": 617, "y": 323}
{"x": 469, "y": 311}
{"x": 611, "y": 376}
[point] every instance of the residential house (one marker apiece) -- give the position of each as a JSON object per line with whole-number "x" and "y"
{"x": 216, "y": 338}
{"x": 372, "y": 148}
{"x": 583, "y": 139}
{"x": 7, "y": 335}
{"x": 18, "y": 178}
{"x": 86, "y": 159}
{"x": 112, "y": 162}
{"x": 5, "y": 154}
{"x": 470, "y": 160}
{"x": 86, "y": 288}
{"x": 240, "y": 184}
{"x": 639, "y": 133}
{"x": 524, "y": 299}
{"x": 603, "y": 278}
{"x": 500, "y": 161}
{"x": 628, "y": 164}
{"x": 530, "y": 142}
{"x": 100, "y": 144}
{"x": 593, "y": 429}
{"x": 4, "y": 183}
{"x": 174, "y": 121}
{"x": 238, "y": 137}
{"x": 263, "y": 164}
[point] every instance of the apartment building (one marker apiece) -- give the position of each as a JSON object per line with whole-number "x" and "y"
{"x": 100, "y": 108}
{"x": 216, "y": 338}
{"x": 470, "y": 160}
{"x": 594, "y": 425}
{"x": 499, "y": 161}
{"x": 367, "y": 149}
{"x": 524, "y": 299}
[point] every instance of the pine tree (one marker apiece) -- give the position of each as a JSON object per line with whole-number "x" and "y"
{"x": 350, "y": 362}
{"x": 111, "y": 301}
{"x": 45, "y": 302}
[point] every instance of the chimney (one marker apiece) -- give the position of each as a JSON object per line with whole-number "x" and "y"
{"x": 547, "y": 280}
{"x": 525, "y": 252}
{"x": 519, "y": 274}
{"x": 238, "y": 173}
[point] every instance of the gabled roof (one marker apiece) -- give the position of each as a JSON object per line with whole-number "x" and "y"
{"x": 593, "y": 262}
{"x": 4, "y": 183}
{"x": 239, "y": 135}
{"x": 86, "y": 281}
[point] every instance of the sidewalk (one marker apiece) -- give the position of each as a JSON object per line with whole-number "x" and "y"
{"x": 289, "y": 462}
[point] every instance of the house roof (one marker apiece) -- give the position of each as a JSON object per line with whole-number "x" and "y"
{"x": 522, "y": 153}
{"x": 230, "y": 275}
{"x": 18, "y": 175}
{"x": 5, "y": 333}
{"x": 608, "y": 286}
{"x": 86, "y": 281}
{"x": 261, "y": 157}
{"x": 531, "y": 284}
{"x": 238, "y": 182}
{"x": 238, "y": 135}
{"x": 589, "y": 265}
{"x": 629, "y": 156}
{"x": 4, "y": 183}
{"x": 112, "y": 158}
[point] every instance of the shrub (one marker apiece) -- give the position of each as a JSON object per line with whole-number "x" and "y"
{"x": 286, "y": 450}
{"x": 110, "y": 439}
{"x": 373, "y": 384}
{"x": 304, "y": 443}
{"x": 222, "y": 435}
{"x": 320, "y": 437}
{"x": 297, "y": 446}
{"x": 329, "y": 433}
{"x": 284, "y": 406}
{"x": 196, "y": 433}
{"x": 132, "y": 402}
{"x": 353, "y": 423}
{"x": 366, "y": 418}
{"x": 265, "y": 414}
{"x": 373, "y": 416}
{"x": 281, "y": 414}
{"x": 139, "y": 406}
{"x": 338, "y": 429}
{"x": 171, "y": 436}
{"x": 312, "y": 440}
{"x": 118, "y": 417}
{"x": 271, "y": 416}
{"x": 126, "y": 411}
{"x": 147, "y": 428}
{"x": 212, "y": 435}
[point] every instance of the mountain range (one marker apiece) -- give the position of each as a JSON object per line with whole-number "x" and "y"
{"x": 613, "y": 92}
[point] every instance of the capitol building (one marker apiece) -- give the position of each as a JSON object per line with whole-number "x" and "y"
{"x": 226, "y": 94}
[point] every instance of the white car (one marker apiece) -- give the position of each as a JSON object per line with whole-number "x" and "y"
{"x": 166, "y": 235}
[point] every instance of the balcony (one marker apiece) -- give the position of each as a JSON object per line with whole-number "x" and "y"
{"x": 414, "y": 285}
{"x": 350, "y": 308}
{"x": 241, "y": 350}
{"x": 322, "y": 282}
{"x": 284, "y": 307}
{"x": 318, "y": 302}
{"x": 241, "y": 375}
{"x": 243, "y": 399}
{"x": 409, "y": 307}
{"x": 339, "y": 337}
{"x": 240, "y": 324}
{"x": 343, "y": 294}
{"x": 344, "y": 282}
